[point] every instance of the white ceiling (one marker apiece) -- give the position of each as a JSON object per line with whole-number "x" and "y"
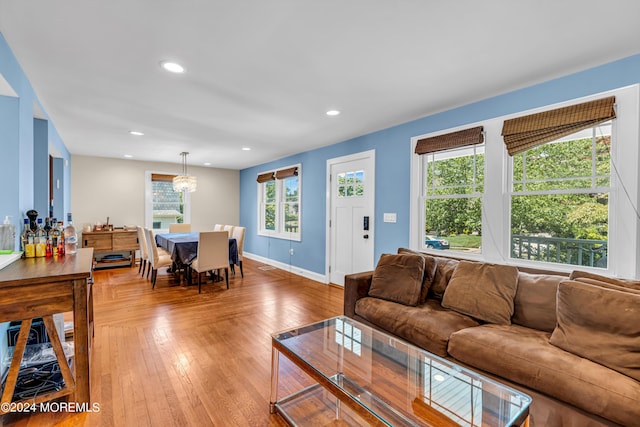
{"x": 262, "y": 73}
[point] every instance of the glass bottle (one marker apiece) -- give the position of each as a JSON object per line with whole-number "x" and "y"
{"x": 40, "y": 240}
{"x": 27, "y": 240}
{"x": 70, "y": 237}
{"x": 48, "y": 249}
{"x": 31, "y": 243}
{"x": 61, "y": 249}
{"x": 55, "y": 234}
{"x": 47, "y": 225}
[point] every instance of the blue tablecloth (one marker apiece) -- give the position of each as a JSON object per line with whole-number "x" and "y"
{"x": 183, "y": 247}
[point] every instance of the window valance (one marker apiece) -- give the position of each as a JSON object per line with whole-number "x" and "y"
{"x": 265, "y": 177}
{"x": 286, "y": 173}
{"x": 159, "y": 177}
{"x": 451, "y": 140}
{"x": 523, "y": 133}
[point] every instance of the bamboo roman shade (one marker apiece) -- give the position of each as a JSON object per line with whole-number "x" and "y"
{"x": 451, "y": 140}
{"x": 286, "y": 173}
{"x": 158, "y": 177}
{"x": 526, "y": 132}
{"x": 264, "y": 177}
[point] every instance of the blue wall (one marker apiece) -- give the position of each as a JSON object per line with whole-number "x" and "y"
{"x": 22, "y": 161}
{"x": 9, "y": 167}
{"x": 393, "y": 154}
{"x": 41, "y": 167}
{"x": 17, "y": 133}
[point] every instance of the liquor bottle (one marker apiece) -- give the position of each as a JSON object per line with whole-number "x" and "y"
{"x": 48, "y": 249}
{"x": 47, "y": 225}
{"x": 61, "y": 249}
{"x": 70, "y": 237}
{"x": 40, "y": 240}
{"x": 27, "y": 240}
{"x": 55, "y": 234}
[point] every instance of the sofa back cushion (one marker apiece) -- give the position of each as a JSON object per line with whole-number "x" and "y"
{"x": 600, "y": 324}
{"x": 429, "y": 271}
{"x": 483, "y": 291}
{"x": 535, "y": 301}
{"x": 585, "y": 276}
{"x": 444, "y": 271}
{"x": 398, "y": 278}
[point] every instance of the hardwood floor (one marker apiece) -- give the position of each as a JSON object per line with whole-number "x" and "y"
{"x": 169, "y": 356}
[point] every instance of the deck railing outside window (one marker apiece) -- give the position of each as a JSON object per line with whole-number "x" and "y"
{"x": 587, "y": 253}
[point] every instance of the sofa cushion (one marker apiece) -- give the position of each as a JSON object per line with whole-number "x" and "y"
{"x": 625, "y": 283}
{"x": 428, "y": 325}
{"x": 526, "y": 357}
{"x": 398, "y": 278}
{"x": 535, "y": 301}
{"x": 429, "y": 271}
{"x": 483, "y": 291}
{"x": 600, "y": 324}
{"x": 444, "y": 270}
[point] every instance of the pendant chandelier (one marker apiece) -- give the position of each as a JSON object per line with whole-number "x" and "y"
{"x": 185, "y": 182}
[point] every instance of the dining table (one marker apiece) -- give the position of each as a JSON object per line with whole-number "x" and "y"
{"x": 183, "y": 247}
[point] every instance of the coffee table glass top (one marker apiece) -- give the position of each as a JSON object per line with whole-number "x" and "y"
{"x": 391, "y": 381}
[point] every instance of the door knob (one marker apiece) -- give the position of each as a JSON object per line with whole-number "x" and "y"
{"x": 366, "y": 236}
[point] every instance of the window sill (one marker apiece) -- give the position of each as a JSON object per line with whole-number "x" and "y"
{"x": 284, "y": 236}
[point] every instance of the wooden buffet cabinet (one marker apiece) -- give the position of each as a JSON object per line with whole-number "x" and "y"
{"x": 42, "y": 287}
{"x": 104, "y": 242}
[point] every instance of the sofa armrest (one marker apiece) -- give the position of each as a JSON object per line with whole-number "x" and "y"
{"x": 356, "y": 286}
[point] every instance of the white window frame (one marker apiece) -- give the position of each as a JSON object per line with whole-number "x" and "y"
{"x": 148, "y": 202}
{"x": 279, "y": 231}
{"x": 624, "y": 194}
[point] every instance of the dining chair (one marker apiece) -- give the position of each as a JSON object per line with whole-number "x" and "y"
{"x": 228, "y": 229}
{"x": 218, "y": 227}
{"x": 213, "y": 254}
{"x": 156, "y": 259}
{"x": 238, "y": 234}
{"x": 144, "y": 252}
{"x": 179, "y": 228}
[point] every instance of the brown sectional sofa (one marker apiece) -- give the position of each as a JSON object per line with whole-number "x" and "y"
{"x": 572, "y": 342}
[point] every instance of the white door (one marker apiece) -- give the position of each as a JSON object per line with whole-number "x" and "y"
{"x": 351, "y": 204}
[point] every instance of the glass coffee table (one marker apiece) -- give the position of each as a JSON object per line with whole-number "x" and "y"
{"x": 367, "y": 377}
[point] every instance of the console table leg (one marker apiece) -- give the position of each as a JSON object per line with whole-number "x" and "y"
{"x": 275, "y": 355}
{"x": 14, "y": 368}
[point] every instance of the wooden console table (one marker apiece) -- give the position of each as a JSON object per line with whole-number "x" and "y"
{"x": 112, "y": 241}
{"x": 42, "y": 287}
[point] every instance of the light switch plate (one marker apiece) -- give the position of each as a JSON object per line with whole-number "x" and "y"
{"x": 389, "y": 217}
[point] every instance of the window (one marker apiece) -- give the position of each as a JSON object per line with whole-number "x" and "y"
{"x": 560, "y": 199}
{"x": 164, "y": 206}
{"x": 559, "y": 187}
{"x": 351, "y": 184}
{"x": 560, "y": 183}
{"x": 279, "y": 203}
{"x": 452, "y": 189}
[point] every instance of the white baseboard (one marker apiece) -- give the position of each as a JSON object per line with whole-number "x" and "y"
{"x": 322, "y": 278}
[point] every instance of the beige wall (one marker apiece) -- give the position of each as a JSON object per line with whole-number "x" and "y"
{"x": 102, "y": 187}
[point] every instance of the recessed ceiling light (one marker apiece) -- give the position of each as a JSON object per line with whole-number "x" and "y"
{"x": 246, "y": 148}
{"x": 333, "y": 112}
{"x": 136, "y": 133}
{"x": 128, "y": 156}
{"x": 207, "y": 164}
{"x": 173, "y": 67}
